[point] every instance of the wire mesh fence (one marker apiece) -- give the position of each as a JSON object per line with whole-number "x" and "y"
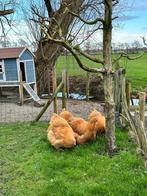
{"x": 12, "y": 112}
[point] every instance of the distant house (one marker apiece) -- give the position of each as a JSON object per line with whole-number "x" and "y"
{"x": 17, "y": 68}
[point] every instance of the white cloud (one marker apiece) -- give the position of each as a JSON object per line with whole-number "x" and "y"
{"x": 119, "y": 37}
{"x": 124, "y": 37}
{"x": 127, "y": 37}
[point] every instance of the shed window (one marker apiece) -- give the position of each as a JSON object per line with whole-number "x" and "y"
{"x": 1, "y": 69}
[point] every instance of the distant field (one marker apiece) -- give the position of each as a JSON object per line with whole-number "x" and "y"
{"x": 136, "y": 69}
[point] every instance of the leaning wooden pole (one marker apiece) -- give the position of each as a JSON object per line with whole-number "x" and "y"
{"x": 87, "y": 85}
{"x": 54, "y": 82}
{"x": 127, "y": 114}
{"x": 142, "y": 107}
{"x": 64, "y": 89}
{"x": 49, "y": 102}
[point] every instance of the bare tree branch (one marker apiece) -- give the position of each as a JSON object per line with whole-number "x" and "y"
{"x": 115, "y": 2}
{"x": 90, "y": 57}
{"x": 69, "y": 46}
{"x": 41, "y": 19}
{"x": 91, "y": 33}
{"x": 144, "y": 41}
{"x": 85, "y": 21}
{"x": 132, "y": 58}
{"x": 71, "y": 49}
{"x": 127, "y": 56}
{"x": 6, "y": 12}
{"x": 49, "y": 8}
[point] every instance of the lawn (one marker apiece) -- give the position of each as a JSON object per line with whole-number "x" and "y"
{"x": 31, "y": 167}
{"x": 136, "y": 69}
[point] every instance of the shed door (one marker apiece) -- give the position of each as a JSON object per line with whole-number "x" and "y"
{"x": 1, "y": 70}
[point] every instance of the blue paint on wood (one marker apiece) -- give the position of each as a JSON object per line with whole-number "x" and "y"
{"x": 11, "y": 69}
{"x": 30, "y": 71}
{"x": 26, "y": 55}
{"x": 1, "y": 76}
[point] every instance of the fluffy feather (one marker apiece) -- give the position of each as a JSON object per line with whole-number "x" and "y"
{"x": 60, "y": 134}
{"x": 66, "y": 115}
{"x": 93, "y": 114}
{"x": 85, "y": 131}
{"x": 89, "y": 135}
{"x": 79, "y": 125}
{"x": 98, "y": 120}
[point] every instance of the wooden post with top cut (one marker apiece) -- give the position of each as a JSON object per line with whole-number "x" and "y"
{"x": 21, "y": 88}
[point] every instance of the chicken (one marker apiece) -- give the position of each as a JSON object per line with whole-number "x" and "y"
{"x": 66, "y": 115}
{"x": 89, "y": 135}
{"x": 95, "y": 124}
{"x": 94, "y": 113}
{"x": 84, "y": 131}
{"x": 93, "y": 127}
{"x": 60, "y": 134}
{"x": 78, "y": 125}
{"x": 98, "y": 120}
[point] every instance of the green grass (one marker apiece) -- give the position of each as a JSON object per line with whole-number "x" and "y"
{"x": 30, "y": 166}
{"x": 136, "y": 69}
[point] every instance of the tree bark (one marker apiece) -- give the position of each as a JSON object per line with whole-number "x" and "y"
{"x": 48, "y": 52}
{"x": 108, "y": 83}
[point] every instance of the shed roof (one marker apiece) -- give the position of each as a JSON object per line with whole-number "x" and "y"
{"x": 7, "y": 53}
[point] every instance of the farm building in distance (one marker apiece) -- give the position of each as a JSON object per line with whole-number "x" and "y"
{"x": 17, "y": 69}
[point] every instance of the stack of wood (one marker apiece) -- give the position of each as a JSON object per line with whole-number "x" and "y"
{"x": 139, "y": 124}
{"x": 136, "y": 122}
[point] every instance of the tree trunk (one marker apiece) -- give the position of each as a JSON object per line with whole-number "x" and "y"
{"x": 108, "y": 83}
{"x": 48, "y": 52}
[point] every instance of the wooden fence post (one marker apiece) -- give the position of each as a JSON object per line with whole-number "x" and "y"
{"x": 64, "y": 89}
{"x": 87, "y": 85}
{"x": 142, "y": 106}
{"x": 54, "y": 82}
{"x": 67, "y": 84}
{"x": 118, "y": 89}
{"x": 48, "y": 81}
{"x": 21, "y": 88}
{"x": 128, "y": 93}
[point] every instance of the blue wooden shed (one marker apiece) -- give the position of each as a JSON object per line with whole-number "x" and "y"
{"x": 17, "y": 68}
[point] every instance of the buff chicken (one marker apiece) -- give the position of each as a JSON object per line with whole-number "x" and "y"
{"x": 60, "y": 134}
